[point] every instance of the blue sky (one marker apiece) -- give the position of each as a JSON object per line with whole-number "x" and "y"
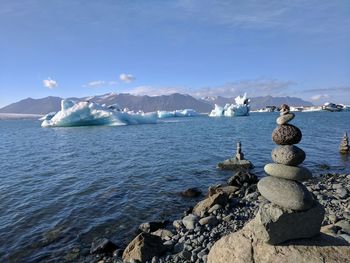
{"x": 204, "y": 48}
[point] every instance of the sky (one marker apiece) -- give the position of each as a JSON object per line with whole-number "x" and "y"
{"x": 204, "y": 48}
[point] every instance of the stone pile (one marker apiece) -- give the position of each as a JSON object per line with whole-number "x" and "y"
{"x": 236, "y": 163}
{"x": 344, "y": 145}
{"x": 292, "y": 213}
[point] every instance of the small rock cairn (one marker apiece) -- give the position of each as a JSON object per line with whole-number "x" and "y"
{"x": 236, "y": 163}
{"x": 292, "y": 212}
{"x": 344, "y": 145}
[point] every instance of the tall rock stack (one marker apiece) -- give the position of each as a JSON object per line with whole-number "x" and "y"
{"x": 292, "y": 213}
{"x": 344, "y": 145}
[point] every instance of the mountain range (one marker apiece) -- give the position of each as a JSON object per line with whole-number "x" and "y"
{"x": 146, "y": 103}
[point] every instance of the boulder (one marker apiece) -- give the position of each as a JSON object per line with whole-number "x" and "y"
{"x": 285, "y": 193}
{"x": 143, "y": 247}
{"x": 283, "y": 119}
{"x": 288, "y": 155}
{"x": 102, "y": 245}
{"x": 227, "y": 189}
{"x": 235, "y": 164}
{"x": 206, "y": 204}
{"x": 191, "y": 192}
{"x": 190, "y": 221}
{"x": 243, "y": 247}
{"x": 288, "y": 172}
{"x": 286, "y": 134}
{"x": 275, "y": 225}
{"x": 242, "y": 178}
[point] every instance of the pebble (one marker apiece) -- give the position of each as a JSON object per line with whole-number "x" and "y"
{"x": 214, "y": 208}
{"x": 190, "y": 221}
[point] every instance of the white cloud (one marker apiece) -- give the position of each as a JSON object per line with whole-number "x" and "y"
{"x": 127, "y": 78}
{"x": 319, "y": 97}
{"x": 50, "y": 83}
{"x": 155, "y": 91}
{"x": 100, "y": 83}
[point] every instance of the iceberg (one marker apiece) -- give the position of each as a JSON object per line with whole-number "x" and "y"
{"x": 84, "y": 113}
{"x": 48, "y": 116}
{"x": 177, "y": 113}
{"x": 241, "y": 108}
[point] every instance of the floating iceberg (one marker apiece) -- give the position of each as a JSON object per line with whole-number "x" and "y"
{"x": 85, "y": 113}
{"x": 241, "y": 108}
{"x": 48, "y": 116}
{"x": 177, "y": 113}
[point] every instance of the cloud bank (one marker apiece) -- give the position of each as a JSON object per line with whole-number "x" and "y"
{"x": 127, "y": 78}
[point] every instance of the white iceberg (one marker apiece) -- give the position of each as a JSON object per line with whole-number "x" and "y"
{"x": 177, "y": 113}
{"x": 85, "y": 113}
{"x": 241, "y": 108}
{"x": 48, "y": 116}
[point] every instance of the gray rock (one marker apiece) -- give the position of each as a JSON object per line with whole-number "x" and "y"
{"x": 275, "y": 225}
{"x": 186, "y": 255}
{"x": 346, "y": 237}
{"x": 206, "y": 204}
{"x": 190, "y": 221}
{"x": 283, "y": 119}
{"x": 288, "y": 172}
{"x": 177, "y": 223}
{"x": 235, "y": 164}
{"x": 288, "y": 155}
{"x": 344, "y": 225}
{"x": 214, "y": 208}
{"x": 102, "y": 245}
{"x": 209, "y": 220}
{"x": 285, "y": 193}
{"x": 342, "y": 192}
{"x": 286, "y": 134}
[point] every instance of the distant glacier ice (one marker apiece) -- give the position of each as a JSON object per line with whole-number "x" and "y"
{"x": 241, "y": 108}
{"x": 85, "y": 113}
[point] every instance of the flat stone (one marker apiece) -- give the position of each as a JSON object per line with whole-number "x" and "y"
{"x": 283, "y": 119}
{"x": 243, "y": 247}
{"x": 286, "y": 134}
{"x": 288, "y": 172}
{"x": 276, "y": 225}
{"x": 235, "y": 164}
{"x": 288, "y": 155}
{"x": 190, "y": 221}
{"x": 285, "y": 193}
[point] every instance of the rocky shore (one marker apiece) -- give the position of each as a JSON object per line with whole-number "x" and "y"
{"x": 226, "y": 209}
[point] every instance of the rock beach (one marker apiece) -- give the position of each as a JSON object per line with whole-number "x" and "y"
{"x": 288, "y": 155}
{"x": 286, "y": 135}
{"x": 288, "y": 172}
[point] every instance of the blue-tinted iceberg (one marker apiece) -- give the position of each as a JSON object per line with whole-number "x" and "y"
{"x": 241, "y": 108}
{"x": 177, "y": 113}
{"x": 48, "y": 116}
{"x": 85, "y": 113}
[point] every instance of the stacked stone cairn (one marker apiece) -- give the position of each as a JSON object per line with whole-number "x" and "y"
{"x": 236, "y": 163}
{"x": 344, "y": 145}
{"x": 291, "y": 212}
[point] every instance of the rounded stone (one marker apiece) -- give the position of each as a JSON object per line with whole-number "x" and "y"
{"x": 285, "y": 118}
{"x": 288, "y": 155}
{"x": 285, "y": 193}
{"x": 286, "y": 134}
{"x": 288, "y": 172}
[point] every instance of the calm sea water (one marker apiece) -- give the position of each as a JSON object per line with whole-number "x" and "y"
{"x": 62, "y": 187}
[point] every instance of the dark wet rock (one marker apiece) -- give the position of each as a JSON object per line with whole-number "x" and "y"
{"x": 242, "y": 178}
{"x": 103, "y": 245}
{"x": 144, "y": 247}
{"x": 295, "y": 173}
{"x": 285, "y": 193}
{"x": 286, "y": 135}
{"x": 191, "y": 192}
{"x": 288, "y": 155}
{"x": 275, "y": 225}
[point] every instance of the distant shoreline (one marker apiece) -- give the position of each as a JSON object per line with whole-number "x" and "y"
{"x": 18, "y": 116}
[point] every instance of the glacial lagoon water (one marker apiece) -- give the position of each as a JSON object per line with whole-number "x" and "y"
{"x": 62, "y": 187}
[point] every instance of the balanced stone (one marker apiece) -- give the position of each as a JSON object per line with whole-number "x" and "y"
{"x": 275, "y": 225}
{"x": 344, "y": 145}
{"x": 284, "y": 109}
{"x": 288, "y": 155}
{"x": 285, "y": 193}
{"x": 283, "y": 119}
{"x": 288, "y": 172}
{"x": 286, "y": 134}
